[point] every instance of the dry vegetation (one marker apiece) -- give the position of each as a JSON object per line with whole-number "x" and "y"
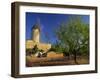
{"x": 53, "y": 59}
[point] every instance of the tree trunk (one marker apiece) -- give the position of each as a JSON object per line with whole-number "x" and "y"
{"x": 75, "y": 58}
{"x": 68, "y": 56}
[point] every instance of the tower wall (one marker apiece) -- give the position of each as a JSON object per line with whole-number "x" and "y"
{"x": 36, "y": 35}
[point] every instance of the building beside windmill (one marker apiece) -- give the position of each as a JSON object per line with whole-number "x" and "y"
{"x": 35, "y": 39}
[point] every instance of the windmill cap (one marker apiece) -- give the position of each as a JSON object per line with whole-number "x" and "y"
{"x": 36, "y": 26}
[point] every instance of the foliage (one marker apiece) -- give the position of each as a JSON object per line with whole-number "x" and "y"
{"x": 73, "y": 36}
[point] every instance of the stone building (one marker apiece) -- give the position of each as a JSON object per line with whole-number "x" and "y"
{"x": 35, "y": 39}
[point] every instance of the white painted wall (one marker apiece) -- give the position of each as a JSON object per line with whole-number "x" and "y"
{"x": 5, "y": 40}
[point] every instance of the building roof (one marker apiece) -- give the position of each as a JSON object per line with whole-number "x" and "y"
{"x": 36, "y": 26}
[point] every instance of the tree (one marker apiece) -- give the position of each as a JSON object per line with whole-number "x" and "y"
{"x": 73, "y": 37}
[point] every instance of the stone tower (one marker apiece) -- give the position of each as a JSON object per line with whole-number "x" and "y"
{"x": 36, "y": 33}
{"x": 35, "y": 39}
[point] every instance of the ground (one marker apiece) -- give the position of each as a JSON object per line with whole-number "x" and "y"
{"x": 53, "y": 60}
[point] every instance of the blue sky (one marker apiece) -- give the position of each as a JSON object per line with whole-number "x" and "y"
{"x": 49, "y": 23}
